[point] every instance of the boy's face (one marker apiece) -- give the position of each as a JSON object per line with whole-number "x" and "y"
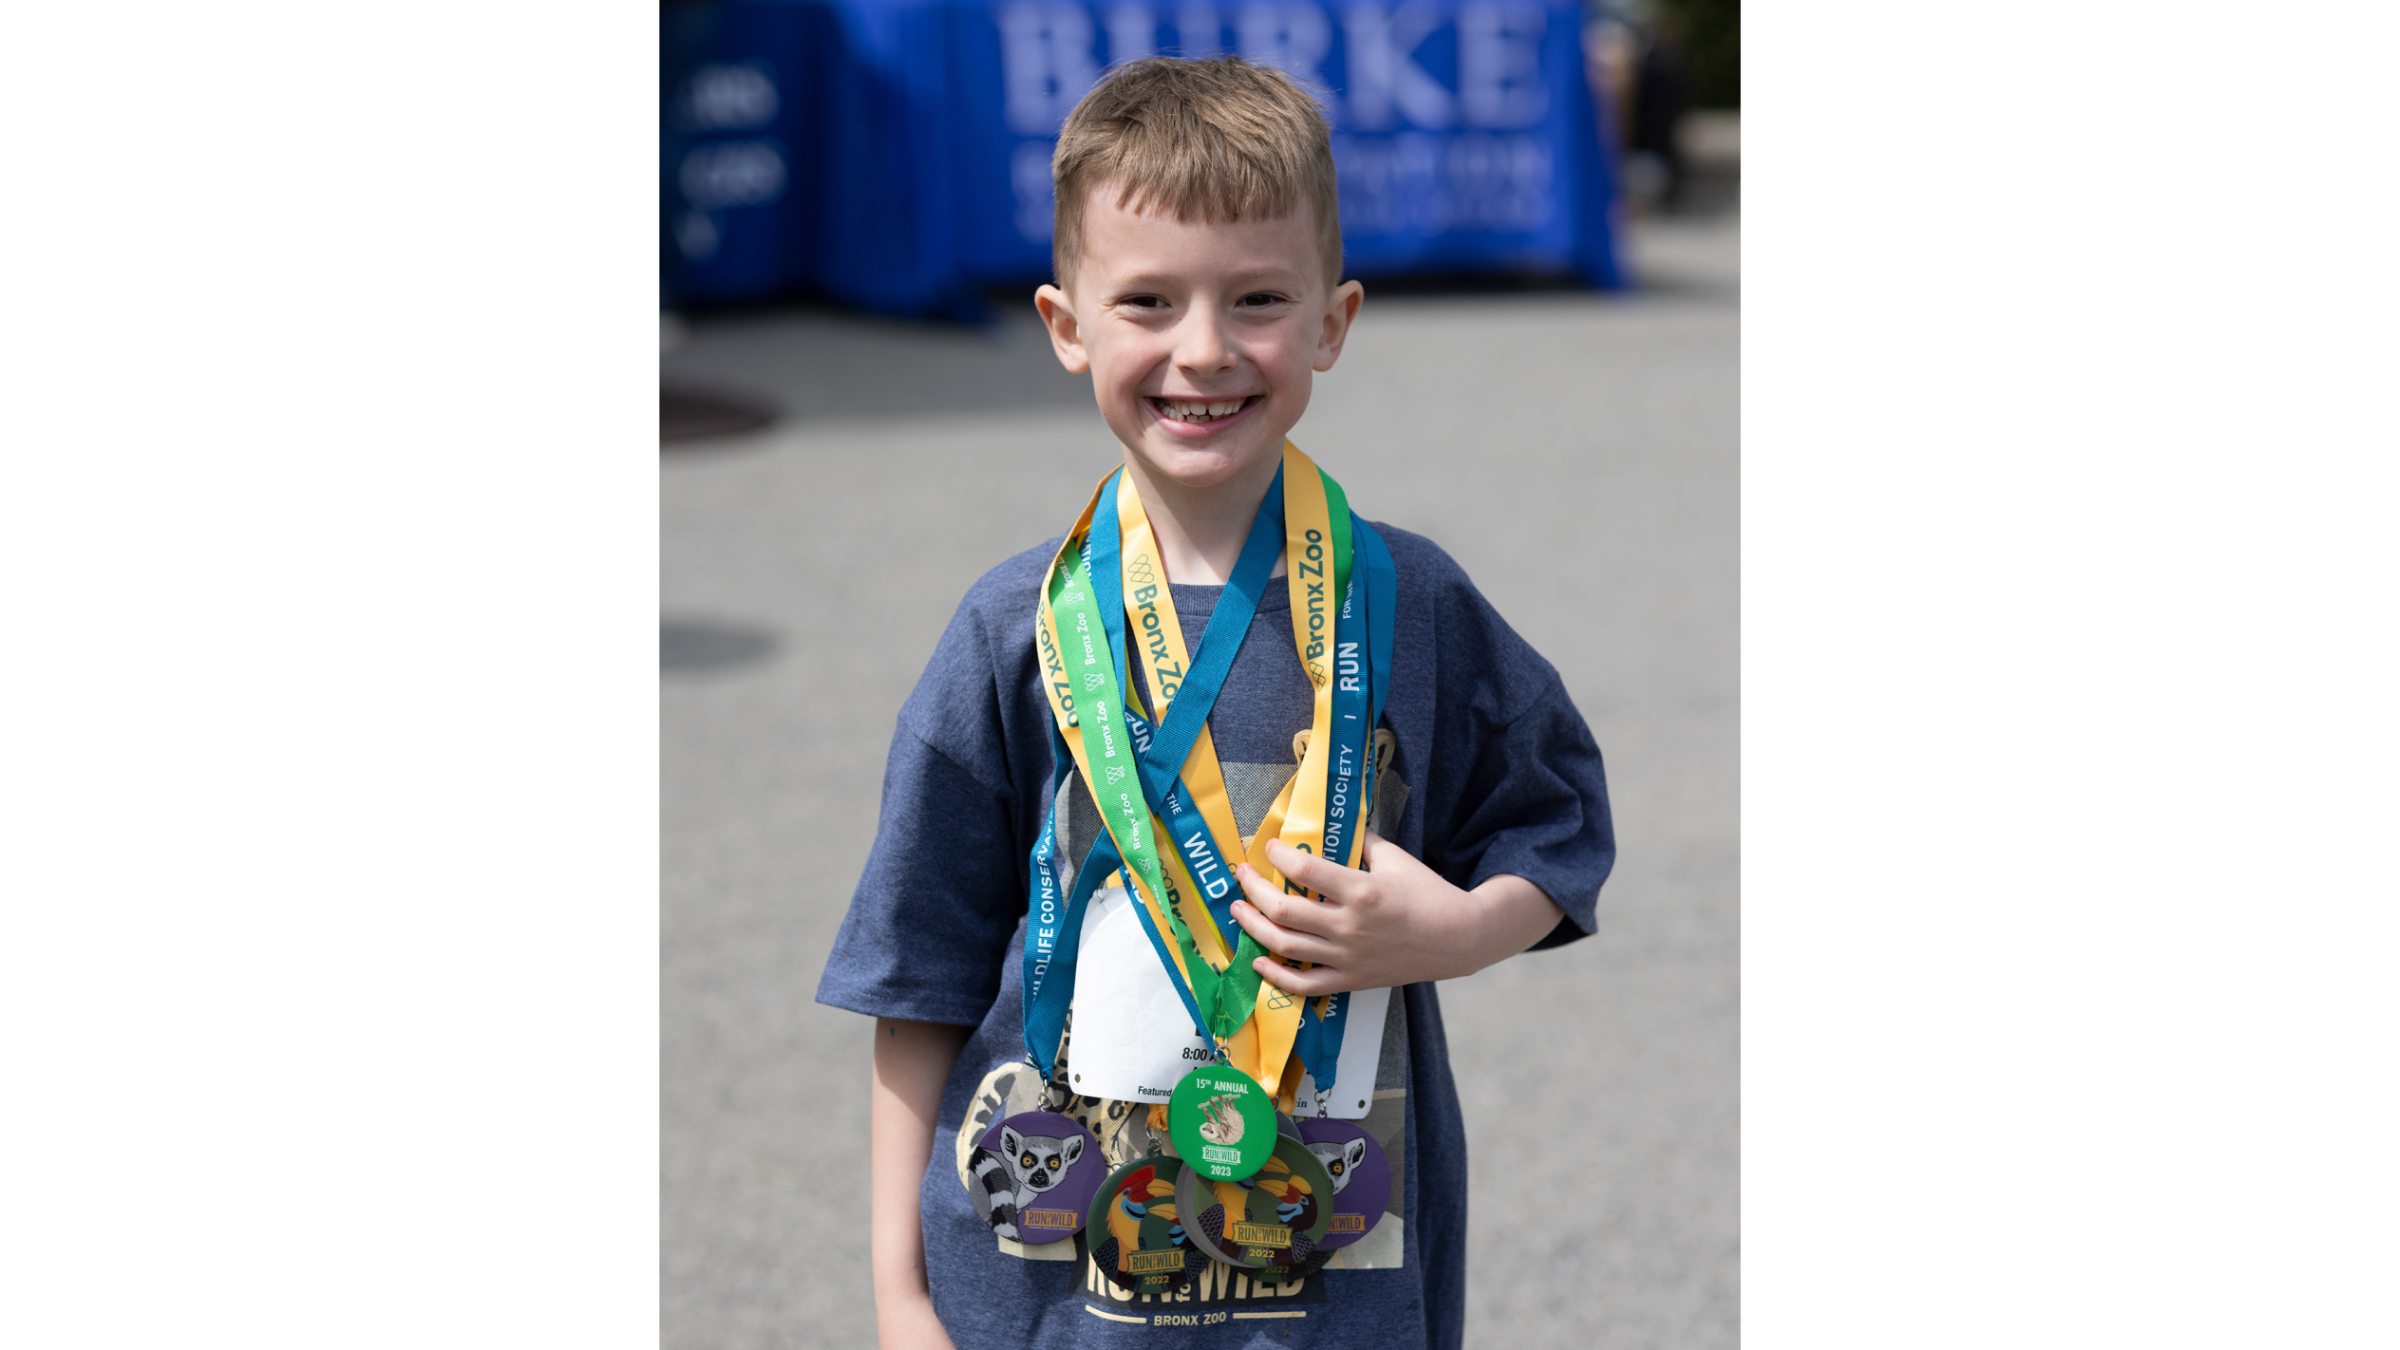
{"x": 1201, "y": 338}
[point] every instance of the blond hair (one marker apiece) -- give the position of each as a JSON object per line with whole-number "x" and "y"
{"x": 1220, "y": 140}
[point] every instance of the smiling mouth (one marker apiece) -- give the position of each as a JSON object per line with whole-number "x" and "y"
{"x": 1199, "y": 412}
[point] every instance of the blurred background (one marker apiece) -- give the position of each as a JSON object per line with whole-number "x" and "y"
{"x": 1544, "y": 202}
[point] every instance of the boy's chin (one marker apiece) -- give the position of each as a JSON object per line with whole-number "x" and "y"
{"x": 1201, "y": 468}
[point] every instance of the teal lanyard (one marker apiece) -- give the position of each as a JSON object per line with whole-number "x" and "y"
{"x": 1092, "y": 592}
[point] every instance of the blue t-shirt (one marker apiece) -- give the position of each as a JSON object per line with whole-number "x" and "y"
{"x": 1491, "y": 770}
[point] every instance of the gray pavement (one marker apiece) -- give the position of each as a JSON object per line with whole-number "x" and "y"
{"x": 1577, "y": 454}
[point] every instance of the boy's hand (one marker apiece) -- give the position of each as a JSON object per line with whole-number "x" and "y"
{"x": 1396, "y": 922}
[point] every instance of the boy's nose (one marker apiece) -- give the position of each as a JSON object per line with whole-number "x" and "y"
{"x": 1201, "y": 344}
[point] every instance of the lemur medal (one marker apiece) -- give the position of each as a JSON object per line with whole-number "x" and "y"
{"x": 1153, "y": 773}
{"x": 1036, "y": 1173}
{"x": 1361, "y": 1177}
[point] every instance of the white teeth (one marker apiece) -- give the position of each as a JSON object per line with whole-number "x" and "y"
{"x": 1201, "y": 412}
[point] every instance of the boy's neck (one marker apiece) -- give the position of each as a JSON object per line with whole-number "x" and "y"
{"x": 1201, "y": 530}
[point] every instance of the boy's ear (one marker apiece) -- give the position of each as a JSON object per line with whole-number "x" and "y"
{"x": 1065, "y": 337}
{"x": 1339, "y": 311}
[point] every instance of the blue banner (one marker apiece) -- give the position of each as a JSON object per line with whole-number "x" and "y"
{"x": 737, "y": 142}
{"x": 1465, "y": 136}
{"x": 917, "y": 157}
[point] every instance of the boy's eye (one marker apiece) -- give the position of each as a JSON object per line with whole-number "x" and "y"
{"x": 1258, "y": 298}
{"x": 1142, "y": 302}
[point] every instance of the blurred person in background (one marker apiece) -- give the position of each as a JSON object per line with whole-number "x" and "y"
{"x": 1656, "y": 62}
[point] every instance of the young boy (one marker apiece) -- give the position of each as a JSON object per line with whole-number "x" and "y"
{"x": 1031, "y": 1182}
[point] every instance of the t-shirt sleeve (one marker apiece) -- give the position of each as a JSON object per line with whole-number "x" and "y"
{"x": 929, "y": 927}
{"x": 1536, "y": 806}
{"x": 1515, "y": 783}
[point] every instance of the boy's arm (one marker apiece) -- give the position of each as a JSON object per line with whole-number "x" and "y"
{"x": 1395, "y": 923}
{"x": 912, "y": 1061}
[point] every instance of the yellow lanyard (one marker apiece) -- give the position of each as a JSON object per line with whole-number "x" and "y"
{"x": 1262, "y": 1047}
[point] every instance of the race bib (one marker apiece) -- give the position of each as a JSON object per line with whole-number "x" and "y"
{"x": 1134, "y": 1041}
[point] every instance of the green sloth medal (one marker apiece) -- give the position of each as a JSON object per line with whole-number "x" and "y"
{"x": 1222, "y": 1121}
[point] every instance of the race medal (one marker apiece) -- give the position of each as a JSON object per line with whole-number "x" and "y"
{"x": 1270, "y": 1224}
{"x": 1222, "y": 1121}
{"x": 1361, "y": 1175}
{"x": 1135, "y": 1235}
{"x": 1033, "y": 1177}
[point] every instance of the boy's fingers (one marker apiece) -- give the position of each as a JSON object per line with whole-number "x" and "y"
{"x": 1381, "y": 854}
{"x": 1301, "y": 983}
{"x": 1329, "y": 879}
{"x": 1255, "y": 889}
{"x": 1292, "y": 943}
{"x": 1285, "y": 911}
